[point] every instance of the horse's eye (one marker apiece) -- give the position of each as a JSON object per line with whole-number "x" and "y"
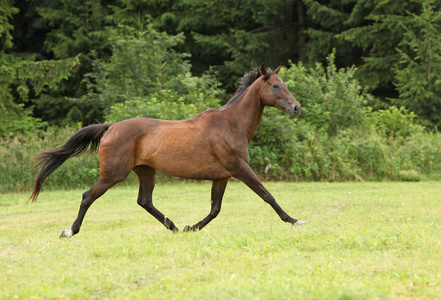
{"x": 275, "y": 86}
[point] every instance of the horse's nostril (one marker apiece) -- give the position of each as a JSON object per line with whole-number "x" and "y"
{"x": 294, "y": 111}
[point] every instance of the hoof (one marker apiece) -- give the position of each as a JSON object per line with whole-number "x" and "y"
{"x": 66, "y": 233}
{"x": 187, "y": 228}
{"x": 299, "y": 223}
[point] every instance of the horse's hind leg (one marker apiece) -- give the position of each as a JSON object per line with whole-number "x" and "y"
{"x": 146, "y": 177}
{"x": 217, "y": 193}
{"x": 100, "y": 187}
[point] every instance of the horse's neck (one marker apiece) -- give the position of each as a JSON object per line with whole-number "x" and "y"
{"x": 246, "y": 112}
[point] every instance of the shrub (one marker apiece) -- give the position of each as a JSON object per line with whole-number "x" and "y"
{"x": 196, "y": 95}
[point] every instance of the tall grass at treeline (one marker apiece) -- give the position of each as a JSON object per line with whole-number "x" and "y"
{"x": 16, "y": 162}
{"x": 338, "y": 137}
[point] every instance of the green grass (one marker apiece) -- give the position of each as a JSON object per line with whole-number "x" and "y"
{"x": 361, "y": 241}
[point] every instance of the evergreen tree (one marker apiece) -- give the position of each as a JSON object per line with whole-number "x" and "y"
{"x": 418, "y": 74}
{"x": 74, "y": 28}
{"x": 7, "y": 11}
{"x": 21, "y": 76}
{"x": 376, "y": 28}
{"x": 237, "y": 36}
{"x": 325, "y": 21}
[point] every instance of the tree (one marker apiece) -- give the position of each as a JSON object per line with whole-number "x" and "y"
{"x": 7, "y": 11}
{"x": 21, "y": 76}
{"x": 146, "y": 77}
{"x": 325, "y": 21}
{"x": 73, "y": 28}
{"x": 376, "y": 28}
{"x": 418, "y": 73}
{"x": 236, "y": 36}
{"x": 143, "y": 61}
{"x": 365, "y": 33}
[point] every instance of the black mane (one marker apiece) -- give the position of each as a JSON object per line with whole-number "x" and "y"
{"x": 246, "y": 81}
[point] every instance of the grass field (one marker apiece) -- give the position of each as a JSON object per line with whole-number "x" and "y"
{"x": 361, "y": 241}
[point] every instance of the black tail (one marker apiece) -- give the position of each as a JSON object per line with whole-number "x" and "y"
{"x": 49, "y": 161}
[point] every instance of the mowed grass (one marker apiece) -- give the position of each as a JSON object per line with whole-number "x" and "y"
{"x": 361, "y": 241}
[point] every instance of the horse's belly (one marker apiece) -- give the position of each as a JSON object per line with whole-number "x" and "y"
{"x": 184, "y": 163}
{"x": 194, "y": 170}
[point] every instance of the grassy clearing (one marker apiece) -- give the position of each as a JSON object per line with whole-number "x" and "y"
{"x": 361, "y": 240}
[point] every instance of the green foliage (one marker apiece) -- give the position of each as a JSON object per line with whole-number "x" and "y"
{"x": 338, "y": 136}
{"x": 143, "y": 62}
{"x": 235, "y": 37}
{"x": 272, "y": 147}
{"x": 16, "y": 162}
{"x": 332, "y": 98}
{"x": 418, "y": 74}
{"x": 196, "y": 95}
{"x": 381, "y": 38}
{"x": 366, "y": 21}
{"x": 380, "y": 147}
{"x": 365, "y": 33}
{"x": 73, "y": 28}
{"x": 14, "y": 73}
{"x": 134, "y": 62}
{"x": 17, "y": 120}
{"x": 145, "y": 77}
{"x": 398, "y": 45}
{"x": 327, "y": 20}
{"x": 394, "y": 123}
{"x": 22, "y": 76}
{"x": 7, "y": 10}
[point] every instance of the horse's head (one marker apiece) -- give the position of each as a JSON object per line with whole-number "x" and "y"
{"x": 275, "y": 93}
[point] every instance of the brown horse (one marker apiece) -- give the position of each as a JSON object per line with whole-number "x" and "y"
{"x": 210, "y": 146}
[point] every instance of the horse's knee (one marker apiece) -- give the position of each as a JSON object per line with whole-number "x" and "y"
{"x": 86, "y": 194}
{"x": 269, "y": 199}
{"x": 145, "y": 203}
{"x": 214, "y": 213}
{"x": 86, "y": 199}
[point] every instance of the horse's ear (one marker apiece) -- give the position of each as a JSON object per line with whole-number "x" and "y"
{"x": 278, "y": 69}
{"x": 263, "y": 70}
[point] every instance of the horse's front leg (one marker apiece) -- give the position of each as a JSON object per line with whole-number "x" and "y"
{"x": 247, "y": 176}
{"x": 217, "y": 193}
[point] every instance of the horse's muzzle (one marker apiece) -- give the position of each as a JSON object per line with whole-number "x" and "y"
{"x": 294, "y": 111}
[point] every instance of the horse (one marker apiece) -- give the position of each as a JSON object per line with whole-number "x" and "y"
{"x": 211, "y": 146}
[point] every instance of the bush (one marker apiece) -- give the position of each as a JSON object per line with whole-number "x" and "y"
{"x": 196, "y": 95}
